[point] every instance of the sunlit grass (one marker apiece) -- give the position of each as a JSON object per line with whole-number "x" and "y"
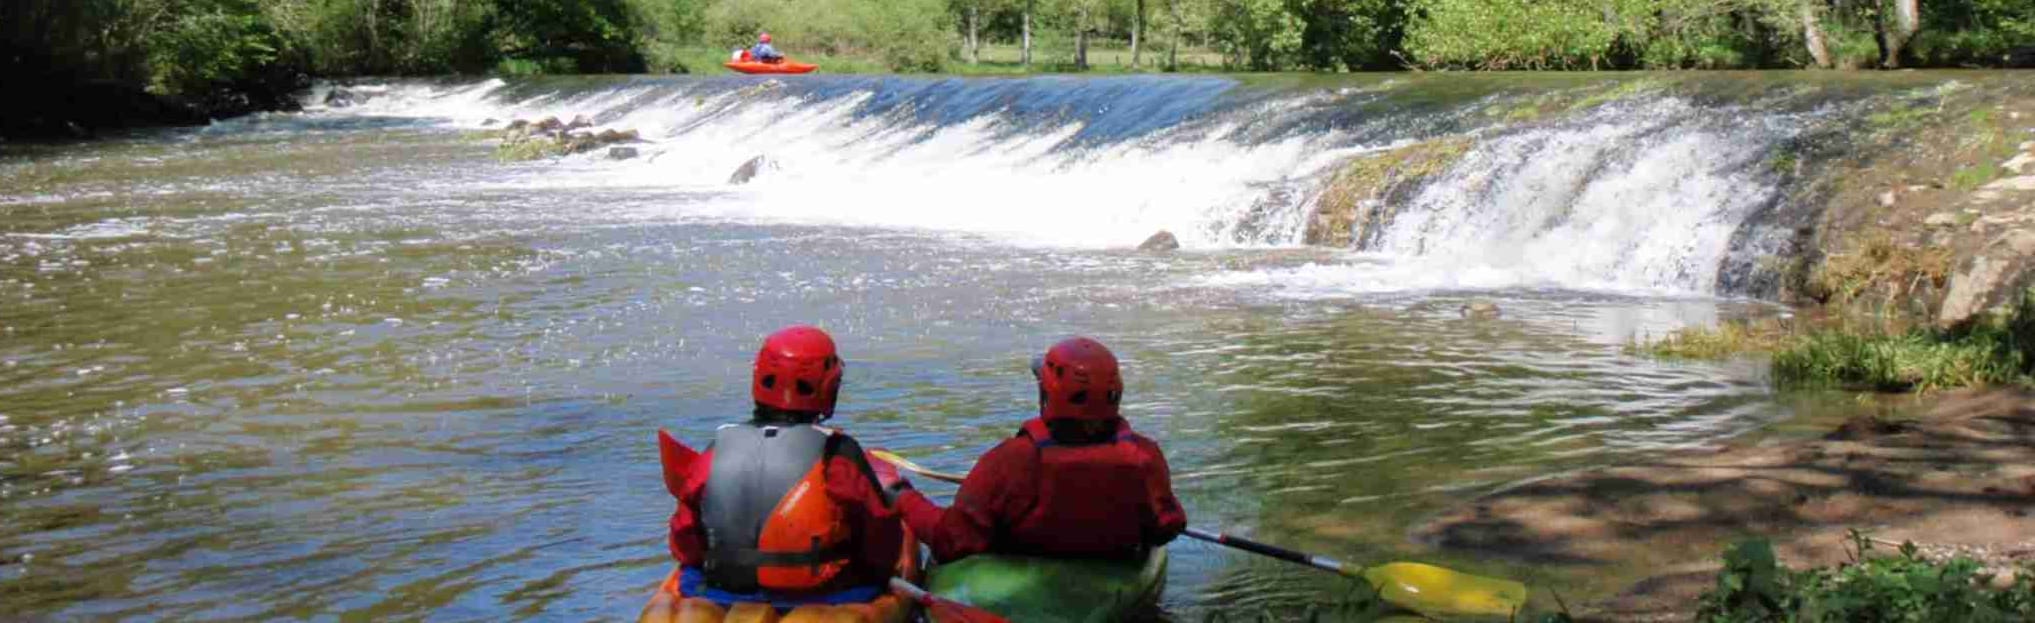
{"x": 1834, "y": 354}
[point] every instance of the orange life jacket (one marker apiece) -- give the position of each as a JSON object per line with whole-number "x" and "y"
{"x": 769, "y": 522}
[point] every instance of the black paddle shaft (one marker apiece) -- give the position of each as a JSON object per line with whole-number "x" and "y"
{"x": 1255, "y": 547}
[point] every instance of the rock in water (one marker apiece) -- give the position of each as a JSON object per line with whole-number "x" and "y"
{"x": 1481, "y": 310}
{"x": 749, "y": 170}
{"x": 342, "y": 98}
{"x": 547, "y": 126}
{"x": 1162, "y": 241}
{"x": 621, "y": 153}
{"x": 579, "y": 122}
{"x": 1998, "y": 274}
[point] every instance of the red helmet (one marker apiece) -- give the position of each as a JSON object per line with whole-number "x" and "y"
{"x": 1078, "y": 380}
{"x": 763, "y": 38}
{"x": 797, "y": 370}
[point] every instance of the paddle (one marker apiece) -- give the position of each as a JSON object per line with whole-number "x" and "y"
{"x": 1423, "y": 588}
{"x": 942, "y": 609}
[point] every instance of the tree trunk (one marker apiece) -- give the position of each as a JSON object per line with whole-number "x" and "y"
{"x": 974, "y": 35}
{"x": 1027, "y": 54}
{"x": 1812, "y": 36}
{"x": 1137, "y": 28}
{"x": 1179, "y": 26}
{"x": 1907, "y": 21}
{"x": 1081, "y": 40}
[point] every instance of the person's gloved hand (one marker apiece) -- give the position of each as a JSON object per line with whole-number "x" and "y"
{"x": 891, "y": 480}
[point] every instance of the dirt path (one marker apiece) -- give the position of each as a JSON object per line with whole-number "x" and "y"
{"x": 1960, "y": 477}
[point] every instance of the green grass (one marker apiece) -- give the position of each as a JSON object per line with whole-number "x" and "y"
{"x": 1994, "y": 351}
{"x": 1727, "y": 340}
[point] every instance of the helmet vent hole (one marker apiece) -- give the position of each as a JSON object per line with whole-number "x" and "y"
{"x": 1080, "y": 397}
{"x": 1059, "y": 370}
{"x": 769, "y": 381}
{"x": 806, "y": 389}
{"x": 1115, "y": 397}
{"x": 827, "y": 365}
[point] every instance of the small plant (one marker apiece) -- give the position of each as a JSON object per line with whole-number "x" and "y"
{"x": 1877, "y": 263}
{"x": 1755, "y": 587}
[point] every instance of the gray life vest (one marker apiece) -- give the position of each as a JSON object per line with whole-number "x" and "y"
{"x": 754, "y": 467}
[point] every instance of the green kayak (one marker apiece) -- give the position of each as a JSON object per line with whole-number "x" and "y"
{"x": 1050, "y": 590}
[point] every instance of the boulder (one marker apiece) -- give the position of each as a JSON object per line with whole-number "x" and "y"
{"x": 2000, "y": 272}
{"x": 579, "y": 122}
{"x": 1941, "y": 219}
{"x": 622, "y": 153}
{"x": 1162, "y": 241}
{"x": 2022, "y": 183}
{"x": 1481, "y": 310}
{"x": 491, "y": 121}
{"x": 519, "y": 125}
{"x": 612, "y": 136}
{"x": 579, "y": 143}
{"x": 749, "y": 170}
{"x": 342, "y": 98}
{"x": 548, "y": 125}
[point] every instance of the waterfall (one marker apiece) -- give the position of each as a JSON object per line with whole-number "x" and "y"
{"x": 1645, "y": 193}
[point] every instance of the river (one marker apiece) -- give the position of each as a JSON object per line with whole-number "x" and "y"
{"x": 345, "y": 363}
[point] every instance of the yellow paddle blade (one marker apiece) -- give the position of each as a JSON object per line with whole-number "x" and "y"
{"x": 1442, "y": 593}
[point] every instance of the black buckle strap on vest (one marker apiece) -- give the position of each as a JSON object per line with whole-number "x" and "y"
{"x": 758, "y": 558}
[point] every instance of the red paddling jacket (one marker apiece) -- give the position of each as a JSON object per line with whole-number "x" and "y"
{"x": 1112, "y": 498}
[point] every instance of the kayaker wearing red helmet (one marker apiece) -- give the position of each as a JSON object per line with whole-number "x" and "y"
{"x": 763, "y": 52}
{"x": 1074, "y": 482}
{"x": 747, "y": 528}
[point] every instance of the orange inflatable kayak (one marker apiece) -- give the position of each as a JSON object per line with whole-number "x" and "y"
{"x": 672, "y": 605}
{"x": 786, "y": 67}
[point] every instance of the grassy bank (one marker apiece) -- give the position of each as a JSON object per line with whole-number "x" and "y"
{"x": 1844, "y": 352}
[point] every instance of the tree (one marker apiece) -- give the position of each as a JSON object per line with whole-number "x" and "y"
{"x": 1030, "y": 5}
{"x": 973, "y": 13}
{"x": 1137, "y": 30}
{"x": 1907, "y": 20}
{"x": 597, "y": 36}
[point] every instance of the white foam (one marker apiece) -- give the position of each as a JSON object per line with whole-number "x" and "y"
{"x": 1642, "y": 196}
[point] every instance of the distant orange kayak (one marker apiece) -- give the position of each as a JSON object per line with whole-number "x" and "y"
{"x": 753, "y": 67}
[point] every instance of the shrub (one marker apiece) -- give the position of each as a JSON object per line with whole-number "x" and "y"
{"x": 1755, "y": 587}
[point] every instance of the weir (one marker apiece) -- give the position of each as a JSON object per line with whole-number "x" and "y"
{"x": 1609, "y": 183}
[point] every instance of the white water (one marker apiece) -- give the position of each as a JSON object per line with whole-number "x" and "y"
{"x": 1639, "y": 197}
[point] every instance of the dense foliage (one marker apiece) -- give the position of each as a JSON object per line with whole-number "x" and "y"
{"x": 246, "y": 48}
{"x": 1754, "y": 587}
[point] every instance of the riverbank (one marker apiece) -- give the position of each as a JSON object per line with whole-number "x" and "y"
{"x": 1958, "y": 475}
